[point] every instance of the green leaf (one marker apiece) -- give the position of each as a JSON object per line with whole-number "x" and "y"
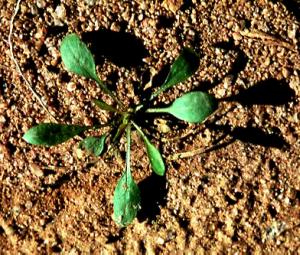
{"x": 49, "y": 134}
{"x": 127, "y": 196}
{"x": 153, "y": 153}
{"x": 184, "y": 66}
{"x": 127, "y": 200}
{"x": 155, "y": 158}
{"x": 94, "y": 144}
{"x": 77, "y": 57}
{"x": 122, "y": 125}
{"x": 193, "y": 107}
{"x": 104, "y": 106}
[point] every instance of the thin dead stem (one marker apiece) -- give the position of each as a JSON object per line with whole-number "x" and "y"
{"x": 28, "y": 84}
{"x": 268, "y": 39}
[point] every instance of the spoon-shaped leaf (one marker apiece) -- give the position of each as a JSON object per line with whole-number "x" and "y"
{"x": 193, "y": 107}
{"x": 153, "y": 153}
{"x": 94, "y": 144}
{"x": 77, "y": 57}
{"x": 49, "y": 134}
{"x": 127, "y": 196}
{"x": 184, "y": 66}
{"x": 126, "y": 200}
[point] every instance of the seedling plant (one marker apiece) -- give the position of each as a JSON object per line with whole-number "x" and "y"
{"x": 193, "y": 107}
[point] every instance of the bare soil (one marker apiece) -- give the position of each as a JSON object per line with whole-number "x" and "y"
{"x": 232, "y": 184}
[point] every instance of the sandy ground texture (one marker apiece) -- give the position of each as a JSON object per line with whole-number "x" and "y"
{"x": 232, "y": 184}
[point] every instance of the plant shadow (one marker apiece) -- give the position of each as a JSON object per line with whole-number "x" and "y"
{"x": 238, "y": 65}
{"x": 241, "y": 60}
{"x": 153, "y": 195}
{"x": 253, "y": 135}
{"x": 269, "y": 92}
{"x": 121, "y": 48}
{"x": 293, "y": 6}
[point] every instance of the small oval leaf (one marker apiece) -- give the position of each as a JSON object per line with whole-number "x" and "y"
{"x": 49, "y": 134}
{"x": 94, "y": 144}
{"x": 193, "y": 107}
{"x": 153, "y": 153}
{"x": 183, "y": 67}
{"x": 155, "y": 158}
{"x": 77, "y": 58}
{"x": 127, "y": 200}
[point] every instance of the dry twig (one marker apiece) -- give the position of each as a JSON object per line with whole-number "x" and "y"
{"x": 36, "y": 95}
{"x": 268, "y": 39}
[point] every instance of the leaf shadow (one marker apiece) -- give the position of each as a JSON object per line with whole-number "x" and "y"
{"x": 268, "y": 92}
{"x": 238, "y": 65}
{"x": 156, "y": 81}
{"x": 121, "y": 48}
{"x": 241, "y": 60}
{"x": 66, "y": 177}
{"x": 153, "y": 195}
{"x": 293, "y": 6}
{"x": 253, "y": 135}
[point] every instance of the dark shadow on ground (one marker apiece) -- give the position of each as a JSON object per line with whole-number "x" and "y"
{"x": 66, "y": 177}
{"x": 238, "y": 65}
{"x": 253, "y": 135}
{"x": 3, "y": 86}
{"x": 240, "y": 62}
{"x": 121, "y": 48}
{"x": 293, "y": 6}
{"x": 268, "y": 92}
{"x": 153, "y": 195}
{"x": 114, "y": 238}
{"x": 57, "y": 30}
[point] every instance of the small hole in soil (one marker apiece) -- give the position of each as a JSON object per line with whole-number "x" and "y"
{"x": 193, "y": 199}
{"x": 230, "y": 201}
{"x": 65, "y": 77}
{"x": 220, "y": 224}
{"x": 12, "y": 148}
{"x": 235, "y": 236}
{"x": 53, "y": 69}
{"x": 184, "y": 223}
{"x": 298, "y": 194}
{"x": 30, "y": 65}
{"x": 238, "y": 195}
{"x": 43, "y": 50}
{"x": 186, "y": 5}
{"x": 176, "y": 165}
{"x": 272, "y": 211}
{"x": 115, "y": 238}
{"x": 165, "y": 22}
{"x": 251, "y": 200}
{"x": 56, "y": 248}
{"x": 56, "y": 30}
{"x": 142, "y": 247}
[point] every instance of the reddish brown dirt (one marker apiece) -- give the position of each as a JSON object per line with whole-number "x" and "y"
{"x": 237, "y": 188}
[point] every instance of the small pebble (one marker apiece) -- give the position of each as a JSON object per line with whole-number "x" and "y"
{"x": 71, "y": 86}
{"x": 172, "y": 5}
{"x": 160, "y": 241}
{"x": 237, "y": 36}
{"x": 41, "y": 3}
{"x": 36, "y": 170}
